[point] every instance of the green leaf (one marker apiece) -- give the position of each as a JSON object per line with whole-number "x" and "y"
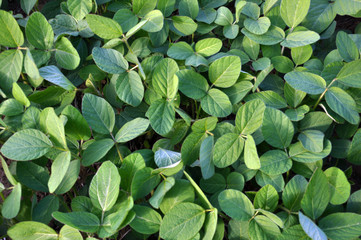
{"x": 58, "y": 170}
{"x": 310, "y": 228}
{"x": 144, "y": 181}
{"x": 7, "y": 172}
{"x": 11, "y": 107}
{"x": 340, "y": 188}
{"x": 227, "y": 150}
{"x": 11, "y": 205}
{"x": 306, "y": 82}
{"x": 210, "y": 225}
{"x": 126, "y": 19}
{"x": 273, "y": 36}
{"x": 188, "y": 8}
{"x": 300, "y": 154}
{"x": 54, "y": 126}
{"x": 266, "y": 198}
{"x": 214, "y": 184}
{"x": 354, "y": 153}
{"x": 293, "y": 12}
{"x": 154, "y": 20}
{"x": 96, "y": 151}
{"x": 224, "y": 17}
{"x": 44, "y": 208}
{"x": 166, "y": 7}
{"x": 236, "y": 204}
{"x": 185, "y": 25}
{"x": 350, "y": 74}
{"x": 27, "y": 5}
{"x": 259, "y": 26}
{"x": 346, "y": 47}
{"x": 343, "y": 104}
{"x": 69, "y": 233}
{"x": 54, "y": 75}
{"x": 293, "y": 193}
{"x": 341, "y": 225}
{"x": 191, "y": 146}
{"x": 83, "y": 221}
{"x": 79, "y": 8}
{"x": 130, "y": 165}
{"x": 28, "y": 230}
{"x": 277, "y": 128}
{"x": 161, "y": 191}
{"x": 76, "y": 125}
{"x": 10, "y": 68}
{"x": 225, "y": 71}
{"x": 10, "y": 33}
{"x": 317, "y": 195}
{"x": 66, "y": 55}
{"x": 251, "y": 158}
{"x": 98, "y": 113}
{"x": 275, "y": 162}
{"x": 300, "y": 39}
{"x": 146, "y": 221}
{"x": 312, "y": 140}
{"x": 192, "y": 84}
{"x": 26, "y": 145}
{"x": 238, "y": 91}
{"x": 250, "y": 116}
{"x": 129, "y": 88}
{"x": 300, "y": 55}
{"x": 206, "y": 157}
{"x": 39, "y": 32}
{"x": 104, "y": 27}
{"x": 132, "y": 129}
{"x": 209, "y": 46}
{"x": 180, "y": 51}
{"x": 216, "y": 103}
{"x": 109, "y": 60}
{"x": 164, "y": 80}
{"x": 142, "y": 7}
{"x": 161, "y": 116}
{"x": 19, "y": 95}
{"x": 32, "y": 70}
{"x": 262, "y": 228}
{"x": 104, "y": 187}
{"x": 70, "y": 178}
{"x": 183, "y": 221}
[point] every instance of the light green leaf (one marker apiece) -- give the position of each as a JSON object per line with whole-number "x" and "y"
{"x": 227, "y": 150}
{"x": 251, "y": 158}
{"x": 98, "y": 113}
{"x": 28, "y": 230}
{"x": 293, "y": 193}
{"x": 132, "y": 129}
{"x": 310, "y": 228}
{"x": 79, "y": 8}
{"x": 192, "y": 84}
{"x": 273, "y": 36}
{"x": 341, "y": 225}
{"x": 184, "y": 24}
{"x": 54, "y": 126}
{"x": 275, "y": 162}
{"x": 300, "y": 39}
{"x": 277, "y": 128}
{"x": 39, "y": 32}
{"x": 209, "y": 46}
{"x": 216, "y": 103}
{"x": 266, "y": 198}
{"x": 69, "y": 233}
{"x": 183, "y": 221}
{"x": 261, "y": 227}
{"x": 142, "y": 7}
{"x": 11, "y": 205}
{"x": 104, "y": 187}
{"x": 76, "y": 125}
{"x": 210, "y": 225}
{"x": 32, "y": 70}
{"x": 131, "y": 164}
{"x": 161, "y": 191}
{"x": 58, "y": 170}
{"x": 225, "y": 71}
{"x": 7, "y": 172}
{"x": 96, "y": 151}
{"x": 10, "y": 33}
{"x": 250, "y": 116}
{"x": 224, "y": 17}
{"x": 300, "y": 55}
{"x": 70, "y": 177}
{"x": 259, "y": 26}
{"x": 146, "y": 221}
{"x": 350, "y": 74}
{"x": 66, "y": 55}
{"x": 180, "y": 51}
{"x": 83, "y": 221}
{"x": 161, "y": 116}
{"x": 154, "y": 20}
{"x": 54, "y": 75}
{"x": 19, "y": 95}
{"x": 340, "y": 188}
{"x": 104, "y": 27}
{"x": 144, "y": 181}
{"x": 129, "y": 88}
{"x": 294, "y": 11}
{"x": 343, "y": 104}
{"x": 317, "y": 195}
{"x": 26, "y": 145}
{"x": 109, "y": 60}
{"x": 236, "y": 204}
{"x": 312, "y": 140}
{"x": 346, "y": 47}
{"x": 306, "y": 82}
{"x": 164, "y": 80}
{"x": 11, "y": 62}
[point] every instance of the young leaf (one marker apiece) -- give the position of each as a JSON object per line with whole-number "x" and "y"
{"x": 26, "y": 145}
{"x": 39, "y": 32}
{"x": 104, "y": 187}
{"x": 79, "y": 8}
{"x": 83, "y": 221}
{"x": 10, "y": 33}
{"x": 29, "y": 230}
{"x": 98, "y": 113}
{"x": 11, "y": 205}
{"x": 182, "y": 222}
{"x": 19, "y": 95}
{"x": 129, "y": 88}
{"x": 227, "y": 150}
{"x": 225, "y": 71}
{"x": 104, "y": 27}
{"x": 293, "y": 12}
{"x": 58, "y": 170}
{"x": 209, "y": 46}
{"x": 250, "y": 116}
{"x": 185, "y": 25}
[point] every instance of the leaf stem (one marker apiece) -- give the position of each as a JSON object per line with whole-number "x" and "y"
{"x": 323, "y": 94}
{"x": 119, "y": 154}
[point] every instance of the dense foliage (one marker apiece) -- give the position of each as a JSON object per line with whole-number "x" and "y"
{"x": 180, "y": 119}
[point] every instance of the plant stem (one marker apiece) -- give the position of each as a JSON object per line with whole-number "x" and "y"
{"x": 323, "y": 94}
